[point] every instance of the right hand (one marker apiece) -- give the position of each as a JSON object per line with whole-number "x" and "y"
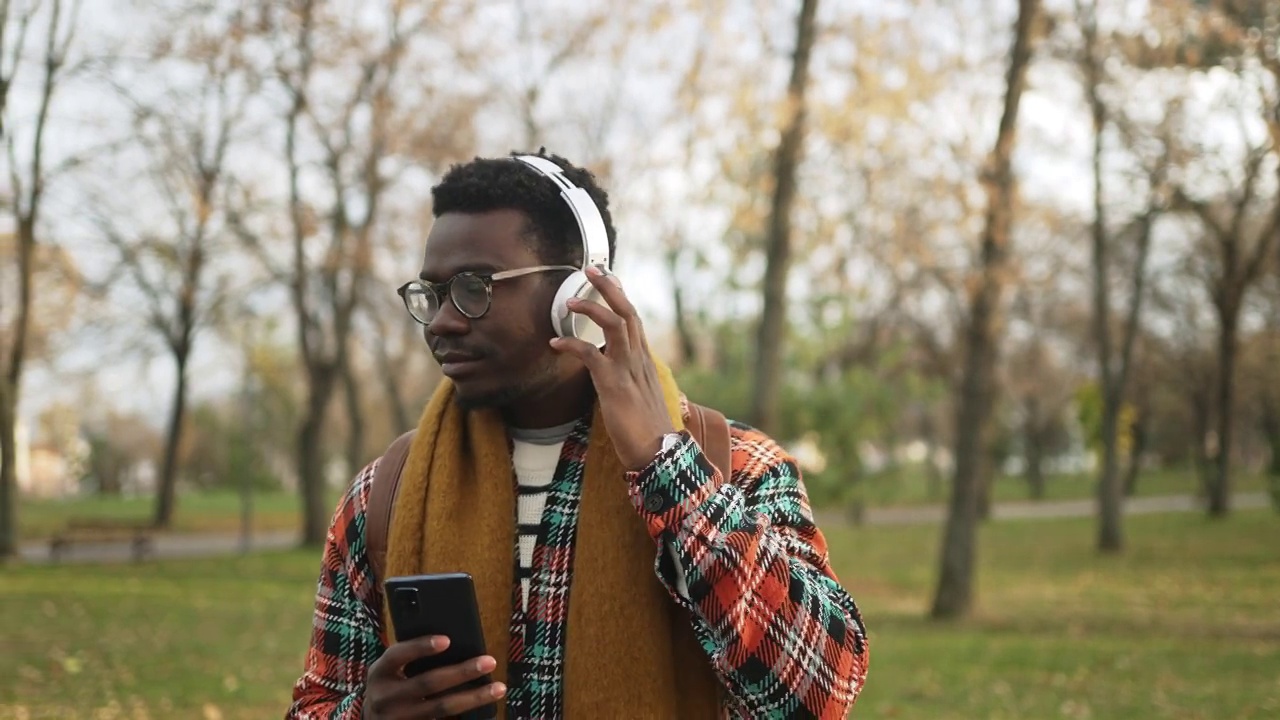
{"x": 389, "y": 695}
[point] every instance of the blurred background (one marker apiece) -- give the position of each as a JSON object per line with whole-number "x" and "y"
{"x": 1004, "y": 275}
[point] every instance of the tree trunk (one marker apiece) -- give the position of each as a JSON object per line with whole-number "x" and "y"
{"x": 772, "y": 330}
{"x": 400, "y": 421}
{"x": 12, "y": 383}
{"x": 1271, "y": 431}
{"x": 8, "y": 471}
{"x": 166, "y": 492}
{"x": 955, "y": 585}
{"x": 355, "y": 421}
{"x": 1034, "y": 451}
{"x": 1200, "y": 455}
{"x": 1137, "y": 450}
{"x": 986, "y": 468}
{"x": 311, "y": 456}
{"x": 1220, "y": 485}
{"x": 933, "y": 473}
{"x": 53, "y": 58}
{"x": 684, "y": 333}
{"x": 1109, "y": 491}
{"x": 954, "y": 595}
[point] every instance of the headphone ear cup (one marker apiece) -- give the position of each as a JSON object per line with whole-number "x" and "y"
{"x": 575, "y": 325}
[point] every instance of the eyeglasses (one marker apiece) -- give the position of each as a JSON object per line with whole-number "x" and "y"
{"x": 470, "y": 292}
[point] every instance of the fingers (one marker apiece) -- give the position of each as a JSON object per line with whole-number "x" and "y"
{"x": 448, "y": 678}
{"x": 584, "y": 351}
{"x": 624, "y": 319}
{"x": 460, "y": 702}
{"x": 611, "y": 290}
{"x": 392, "y": 662}
{"x": 616, "y": 336}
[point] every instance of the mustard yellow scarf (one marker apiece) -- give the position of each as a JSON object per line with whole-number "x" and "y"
{"x": 631, "y": 651}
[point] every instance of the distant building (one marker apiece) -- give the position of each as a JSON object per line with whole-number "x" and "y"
{"x": 43, "y": 470}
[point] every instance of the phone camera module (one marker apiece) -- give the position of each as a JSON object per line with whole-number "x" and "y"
{"x": 408, "y": 598}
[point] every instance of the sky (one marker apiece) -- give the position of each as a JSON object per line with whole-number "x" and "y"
{"x": 1052, "y": 166}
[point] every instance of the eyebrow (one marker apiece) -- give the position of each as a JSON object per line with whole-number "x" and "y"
{"x": 469, "y": 267}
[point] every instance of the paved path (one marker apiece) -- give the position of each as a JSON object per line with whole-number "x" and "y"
{"x": 166, "y": 546}
{"x": 185, "y": 546}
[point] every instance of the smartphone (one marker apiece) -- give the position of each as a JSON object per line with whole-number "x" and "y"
{"x": 440, "y": 604}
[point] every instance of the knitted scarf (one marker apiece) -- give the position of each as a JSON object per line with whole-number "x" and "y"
{"x": 621, "y": 647}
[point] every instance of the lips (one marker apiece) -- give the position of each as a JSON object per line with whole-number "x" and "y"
{"x": 455, "y": 356}
{"x": 455, "y": 364}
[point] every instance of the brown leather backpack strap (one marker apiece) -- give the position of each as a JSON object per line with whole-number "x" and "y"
{"x": 711, "y": 429}
{"x": 382, "y": 498}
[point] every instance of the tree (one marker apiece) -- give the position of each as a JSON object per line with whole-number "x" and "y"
{"x": 1266, "y": 395}
{"x": 350, "y": 129}
{"x": 976, "y": 391}
{"x": 1238, "y": 245}
{"x": 29, "y": 178}
{"x": 1241, "y": 258}
{"x": 1038, "y": 377}
{"x": 187, "y": 133}
{"x": 1113, "y": 363}
{"x": 771, "y": 335}
{"x": 400, "y": 364}
{"x": 120, "y": 446}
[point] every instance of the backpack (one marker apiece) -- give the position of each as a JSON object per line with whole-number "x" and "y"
{"x": 709, "y": 428}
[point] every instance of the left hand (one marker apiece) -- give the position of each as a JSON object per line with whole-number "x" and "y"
{"x": 626, "y": 381}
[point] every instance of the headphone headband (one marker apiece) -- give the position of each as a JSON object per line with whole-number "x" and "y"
{"x": 595, "y": 239}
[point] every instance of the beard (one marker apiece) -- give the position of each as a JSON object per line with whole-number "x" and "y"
{"x": 537, "y": 383}
{"x": 499, "y": 398}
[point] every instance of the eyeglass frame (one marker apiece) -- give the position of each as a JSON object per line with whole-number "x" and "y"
{"x": 422, "y": 287}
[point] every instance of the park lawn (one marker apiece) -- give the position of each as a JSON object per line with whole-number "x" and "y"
{"x": 1184, "y": 625}
{"x": 207, "y": 512}
{"x": 909, "y": 486}
{"x": 219, "y": 511}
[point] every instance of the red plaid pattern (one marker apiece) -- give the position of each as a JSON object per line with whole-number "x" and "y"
{"x": 786, "y": 640}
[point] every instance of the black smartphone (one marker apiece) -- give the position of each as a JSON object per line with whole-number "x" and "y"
{"x": 440, "y": 604}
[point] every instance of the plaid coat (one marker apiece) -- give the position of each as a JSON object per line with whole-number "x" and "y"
{"x": 782, "y": 635}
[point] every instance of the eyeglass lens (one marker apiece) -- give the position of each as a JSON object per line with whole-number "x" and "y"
{"x": 469, "y": 292}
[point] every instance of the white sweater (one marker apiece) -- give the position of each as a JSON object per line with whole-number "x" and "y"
{"x": 535, "y": 455}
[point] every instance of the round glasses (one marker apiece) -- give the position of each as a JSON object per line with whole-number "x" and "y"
{"x": 470, "y": 292}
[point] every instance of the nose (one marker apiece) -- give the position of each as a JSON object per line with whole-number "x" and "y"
{"x": 448, "y": 321}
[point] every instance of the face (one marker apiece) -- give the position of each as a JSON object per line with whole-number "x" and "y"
{"x": 502, "y": 357}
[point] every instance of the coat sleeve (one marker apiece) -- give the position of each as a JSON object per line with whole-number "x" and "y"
{"x": 748, "y": 561}
{"x": 346, "y": 633}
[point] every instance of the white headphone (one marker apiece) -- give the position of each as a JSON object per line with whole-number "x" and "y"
{"x": 595, "y": 251}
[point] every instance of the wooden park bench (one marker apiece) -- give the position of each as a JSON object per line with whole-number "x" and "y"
{"x": 140, "y": 534}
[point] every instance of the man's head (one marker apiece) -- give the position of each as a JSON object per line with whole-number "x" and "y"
{"x": 492, "y": 216}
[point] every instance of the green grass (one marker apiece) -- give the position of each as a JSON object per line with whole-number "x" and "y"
{"x": 196, "y": 512}
{"x": 220, "y": 511}
{"x": 209, "y": 638}
{"x": 1185, "y": 625}
{"x": 909, "y": 486}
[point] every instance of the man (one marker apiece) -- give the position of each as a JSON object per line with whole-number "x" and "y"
{"x": 619, "y": 572}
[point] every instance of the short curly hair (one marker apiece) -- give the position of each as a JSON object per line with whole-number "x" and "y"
{"x": 486, "y": 184}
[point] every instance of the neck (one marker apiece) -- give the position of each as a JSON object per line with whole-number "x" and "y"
{"x": 560, "y": 404}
